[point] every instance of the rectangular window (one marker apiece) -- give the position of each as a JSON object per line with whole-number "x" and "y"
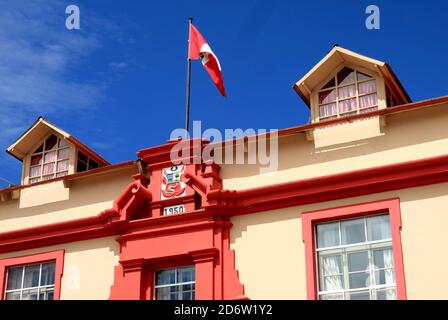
{"x": 175, "y": 284}
{"x": 30, "y": 282}
{"x": 355, "y": 259}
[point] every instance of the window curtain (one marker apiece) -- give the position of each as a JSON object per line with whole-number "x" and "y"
{"x": 347, "y": 92}
{"x": 368, "y": 101}
{"x": 332, "y": 270}
{"x": 367, "y": 87}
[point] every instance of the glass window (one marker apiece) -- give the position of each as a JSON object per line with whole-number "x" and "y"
{"x": 355, "y": 259}
{"x": 349, "y": 92}
{"x": 45, "y": 162}
{"x": 30, "y": 282}
{"x": 175, "y": 284}
{"x": 84, "y": 163}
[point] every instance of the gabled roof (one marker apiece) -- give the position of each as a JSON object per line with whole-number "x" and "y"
{"x": 336, "y": 58}
{"x": 30, "y": 139}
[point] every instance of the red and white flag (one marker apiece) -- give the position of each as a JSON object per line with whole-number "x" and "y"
{"x": 199, "y": 49}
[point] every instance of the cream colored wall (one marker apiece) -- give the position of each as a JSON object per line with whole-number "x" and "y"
{"x": 270, "y": 254}
{"x": 88, "y": 267}
{"x": 406, "y": 136}
{"x": 51, "y": 203}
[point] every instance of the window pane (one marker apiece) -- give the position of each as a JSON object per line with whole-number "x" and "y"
{"x": 367, "y": 87}
{"x": 358, "y": 261}
{"x": 46, "y": 294}
{"x": 45, "y": 178}
{"x": 64, "y": 153}
{"x": 386, "y": 294}
{"x": 346, "y": 106}
{"x": 353, "y": 231}
{"x": 166, "y": 277}
{"x": 14, "y": 278}
{"x": 93, "y": 164}
{"x": 363, "y": 76}
{"x": 81, "y": 166}
{"x": 29, "y": 294}
{"x": 359, "y": 295}
{"x": 347, "y": 92}
{"x": 333, "y": 283}
{"x": 330, "y": 84}
{"x": 62, "y": 143}
{"x": 50, "y": 157}
{"x": 346, "y": 76}
{"x": 31, "y": 278}
{"x": 378, "y": 228}
{"x": 328, "y": 235}
{"x": 47, "y": 277}
{"x": 40, "y": 149}
{"x": 327, "y": 110}
{"x": 185, "y": 274}
{"x": 383, "y": 258}
{"x": 331, "y": 265}
{"x": 368, "y": 101}
{"x": 62, "y": 165}
{"x": 34, "y": 180}
{"x": 61, "y": 174}
{"x": 167, "y": 293}
{"x": 35, "y": 171}
{"x": 13, "y": 296}
{"x": 359, "y": 280}
{"x": 332, "y": 296}
{"x": 327, "y": 96}
{"x": 51, "y": 142}
{"x": 386, "y": 276}
{"x": 48, "y": 168}
{"x": 82, "y": 157}
{"x": 37, "y": 159}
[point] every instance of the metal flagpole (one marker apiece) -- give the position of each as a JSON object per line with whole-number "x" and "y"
{"x": 187, "y": 116}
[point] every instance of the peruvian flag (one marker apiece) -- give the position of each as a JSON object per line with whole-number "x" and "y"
{"x": 199, "y": 49}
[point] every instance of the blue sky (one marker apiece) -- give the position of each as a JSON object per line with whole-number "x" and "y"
{"x": 118, "y": 83}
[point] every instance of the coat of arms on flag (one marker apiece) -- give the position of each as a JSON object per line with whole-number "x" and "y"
{"x": 172, "y": 185}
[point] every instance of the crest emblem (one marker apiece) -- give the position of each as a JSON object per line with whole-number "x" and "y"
{"x": 172, "y": 185}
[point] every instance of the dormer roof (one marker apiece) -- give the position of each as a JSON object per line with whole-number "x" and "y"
{"x": 32, "y": 137}
{"x": 339, "y": 56}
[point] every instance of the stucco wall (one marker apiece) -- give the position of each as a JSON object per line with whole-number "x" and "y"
{"x": 270, "y": 254}
{"x": 406, "y": 136}
{"x": 88, "y": 267}
{"x": 51, "y": 203}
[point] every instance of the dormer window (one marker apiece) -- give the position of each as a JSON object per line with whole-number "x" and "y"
{"x": 50, "y": 160}
{"x": 349, "y": 92}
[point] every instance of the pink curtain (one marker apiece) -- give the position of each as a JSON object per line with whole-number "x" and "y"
{"x": 35, "y": 171}
{"x": 62, "y": 165}
{"x": 50, "y": 157}
{"x": 347, "y": 105}
{"x": 347, "y": 92}
{"x": 48, "y": 168}
{"x": 64, "y": 153}
{"x": 368, "y": 101}
{"x": 327, "y": 96}
{"x": 327, "y": 110}
{"x": 367, "y": 87}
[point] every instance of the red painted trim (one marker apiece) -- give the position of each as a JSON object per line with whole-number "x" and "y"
{"x": 57, "y": 256}
{"x": 229, "y": 203}
{"x": 332, "y": 187}
{"x": 310, "y": 218}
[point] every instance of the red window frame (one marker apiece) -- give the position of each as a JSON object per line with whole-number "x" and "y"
{"x": 57, "y": 256}
{"x": 311, "y": 218}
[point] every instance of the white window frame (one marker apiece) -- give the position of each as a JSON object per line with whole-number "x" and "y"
{"x": 356, "y": 97}
{"x": 55, "y": 172}
{"x": 176, "y": 284}
{"x": 343, "y": 250}
{"x": 39, "y": 287}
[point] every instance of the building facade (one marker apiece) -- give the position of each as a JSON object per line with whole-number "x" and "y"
{"x": 355, "y": 210}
